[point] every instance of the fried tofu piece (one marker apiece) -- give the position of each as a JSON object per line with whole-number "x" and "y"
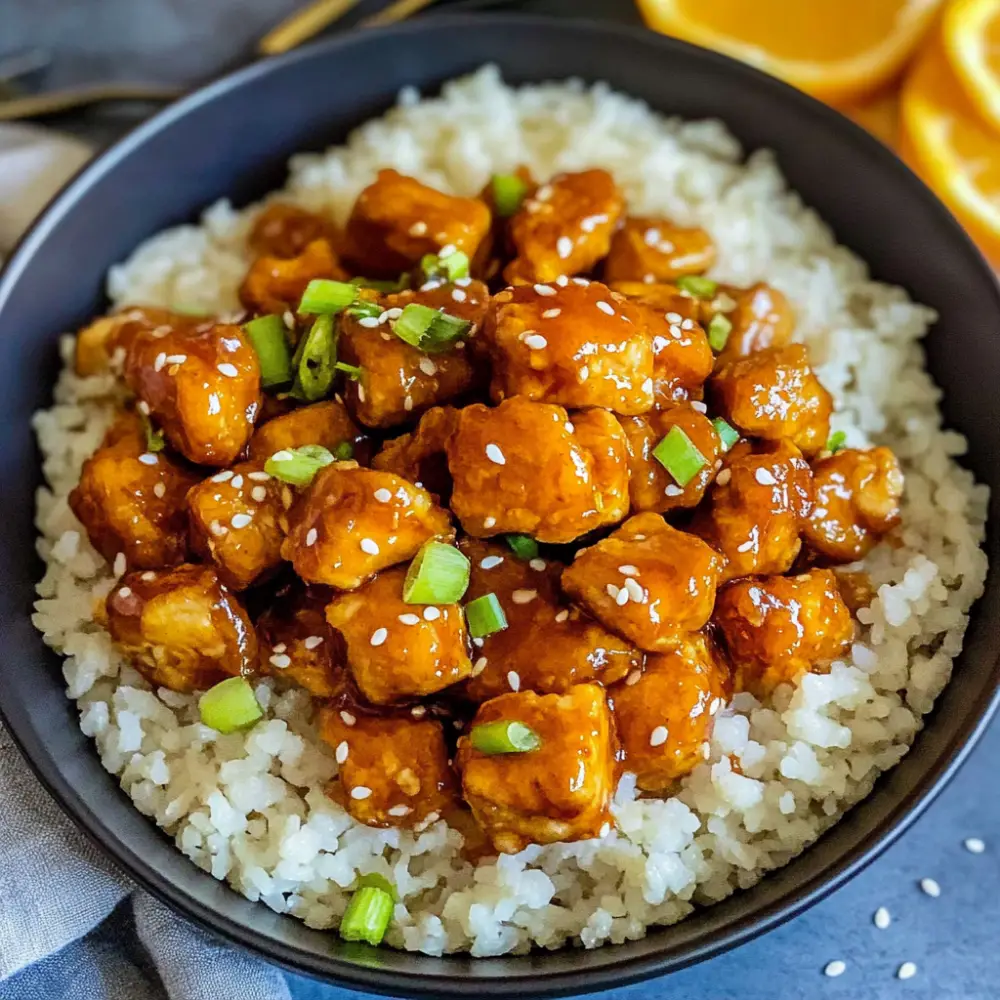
{"x": 577, "y": 649}
{"x": 664, "y": 715}
{"x": 397, "y": 651}
{"x": 109, "y": 336}
{"x": 761, "y": 317}
{"x": 558, "y": 792}
{"x": 779, "y": 627}
{"x": 757, "y": 508}
{"x": 398, "y": 381}
{"x": 201, "y": 387}
{"x": 668, "y": 579}
{"x": 393, "y": 771}
{"x": 652, "y": 250}
{"x": 326, "y": 423}
{"x": 529, "y": 468}
{"x": 238, "y": 521}
{"x": 298, "y": 644}
{"x": 131, "y": 500}
{"x": 181, "y": 628}
{"x": 274, "y": 284}
{"x": 397, "y": 220}
{"x": 682, "y": 357}
{"x": 574, "y": 345}
{"x": 284, "y": 231}
{"x": 565, "y": 227}
{"x": 857, "y": 502}
{"x": 353, "y": 522}
{"x": 774, "y": 394}
{"x": 421, "y": 456}
{"x": 651, "y": 487}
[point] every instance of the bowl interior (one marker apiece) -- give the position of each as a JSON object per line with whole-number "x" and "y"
{"x": 232, "y": 139}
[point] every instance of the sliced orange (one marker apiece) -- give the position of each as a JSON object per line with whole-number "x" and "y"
{"x": 971, "y": 30}
{"x": 837, "y": 50}
{"x": 951, "y": 147}
{"x": 880, "y": 116}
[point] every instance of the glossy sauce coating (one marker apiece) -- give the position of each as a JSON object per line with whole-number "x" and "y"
{"x": 274, "y": 284}
{"x": 109, "y": 336}
{"x": 284, "y": 231}
{"x": 421, "y": 456}
{"x": 761, "y": 317}
{"x": 327, "y": 424}
{"x": 650, "y": 249}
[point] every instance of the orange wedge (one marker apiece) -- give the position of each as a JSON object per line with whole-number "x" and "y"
{"x": 837, "y": 50}
{"x": 971, "y": 30}
{"x": 949, "y": 145}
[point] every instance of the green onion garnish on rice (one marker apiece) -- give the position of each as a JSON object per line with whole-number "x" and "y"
{"x": 229, "y": 705}
{"x": 728, "y": 434}
{"x": 508, "y": 193}
{"x": 353, "y": 372}
{"x": 505, "y": 736}
{"x": 718, "y": 332}
{"x": 375, "y": 881}
{"x": 439, "y": 574}
{"x": 315, "y": 361}
{"x": 696, "y": 286}
{"x": 679, "y": 456}
{"x": 485, "y": 616}
{"x": 368, "y": 915}
{"x": 268, "y": 337}
{"x": 325, "y": 297}
{"x": 154, "y": 436}
{"x": 523, "y": 546}
{"x": 837, "y": 441}
{"x": 298, "y": 466}
{"x": 448, "y": 268}
{"x": 428, "y": 329}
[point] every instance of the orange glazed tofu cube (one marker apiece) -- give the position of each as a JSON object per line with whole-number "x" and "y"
{"x": 398, "y": 651}
{"x": 779, "y": 627}
{"x": 181, "y": 628}
{"x": 857, "y": 502}
{"x": 653, "y": 250}
{"x": 238, "y": 521}
{"x": 646, "y": 581}
{"x": 353, "y": 522}
{"x": 109, "y": 336}
{"x": 576, "y": 648}
{"x": 577, "y": 345}
{"x": 275, "y": 284}
{"x": 398, "y": 381}
{"x": 682, "y": 357}
{"x": 131, "y": 500}
{"x": 327, "y": 424}
{"x": 774, "y": 394}
{"x": 761, "y": 317}
{"x": 296, "y": 642}
{"x": 393, "y": 771}
{"x": 757, "y": 508}
{"x": 397, "y": 220}
{"x": 420, "y": 456}
{"x": 651, "y": 487}
{"x": 664, "y": 715}
{"x": 284, "y": 231}
{"x": 565, "y": 227}
{"x": 201, "y": 386}
{"x": 558, "y": 792}
{"x": 529, "y": 468}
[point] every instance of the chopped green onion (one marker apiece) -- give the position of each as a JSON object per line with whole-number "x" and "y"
{"x": 375, "y": 881}
{"x": 428, "y": 329}
{"x": 267, "y": 334}
{"x": 344, "y": 451}
{"x": 503, "y": 737}
{"x": 836, "y": 442}
{"x": 718, "y": 332}
{"x": 367, "y": 915}
{"x": 450, "y": 268}
{"x": 523, "y": 546}
{"x": 316, "y": 357}
{"x": 508, "y": 193}
{"x": 229, "y": 705}
{"x": 439, "y": 574}
{"x": 154, "y": 437}
{"x": 353, "y": 372}
{"x": 678, "y": 455}
{"x": 388, "y": 287}
{"x": 325, "y": 297}
{"x": 443, "y": 332}
{"x": 697, "y": 286}
{"x": 363, "y": 308}
{"x": 298, "y": 465}
{"x": 485, "y": 616}
{"x": 728, "y": 434}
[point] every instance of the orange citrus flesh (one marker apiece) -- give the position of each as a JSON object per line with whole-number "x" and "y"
{"x": 971, "y": 31}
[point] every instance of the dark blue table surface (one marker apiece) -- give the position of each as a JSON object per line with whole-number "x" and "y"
{"x": 954, "y": 939}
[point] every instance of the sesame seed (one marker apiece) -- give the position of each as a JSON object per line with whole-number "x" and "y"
{"x": 237, "y": 483}
{"x": 907, "y": 970}
{"x": 551, "y": 313}
{"x": 447, "y": 250}
{"x": 623, "y": 597}
{"x": 584, "y": 373}
{"x": 176, "y": 359}
{"x": 361, "y": 392}
{"x": 687, "y": 324}
{"x": 635, "y": 591}
{"x": 259, "y": 477}
{"x": 930, "y": 886}
{"x": 342, "y": 750}
{"x": 536, "y": 342}
{"x": 746, "y": 546}
{"x": 398, "y": 811}
{"x": 143, "y": 407}
{"x": 369, "y": 322}
{"x": 490, "y": 562}
{"x": 723, "y": 477}
{"x": 259, "y": 493}
{"x": 159, "y": 490}
{"x": 394, "y": 313}
{"x": 418, "y": 711}
{"x": 606, "y": 307}
{"x": 658, "y": 736}
{"x": 382, "y": 317}
{"x": 281, "y": 456}
{"x": 347, "y": 718}
{"x": 418, "y": 229}
{"x": 379, "y": 636}
{"x": 545, "y": 290}
{"x": 148, "y": 458}
{"x": 410, "y": 619}
{"x": 489, "y": 522}
{"x": 161, "y": 360}
{"x": 458, "y": 295}
{"x": 217, "y": 529}
{"x": 561, "y": 616}
{"x": 673, "y": 317}
{"x": 495, "y": 455}
{"x": 125, "y": 592}
{"x": 479, "y": 666}
{"x": 881, "y": 919}
{"x": 537, "y": 565}
{"x": 408, "y": 403}
{"x": 383, "y": 495}
{"x": 311, "y": 536}
{"x": 834, "y": 969}
{"x": 582, "y": 282}
{"x": 431, "y": 613}
{"x": 148, "y": 576}
{"x": 523, "y": 596}
{"x": 764, "y": 477}
{"x": 564, "y": 247}
{"x": 514, "y": 680}
{"x": 230, "y": 371}
{"x": 612, "y": 590}
{"x": 280, "y": 660}
{"x": 698, "y": 406}
{"x": 280, "y": 647}
{"x": 360, "y": 792}
{"x": 543, "y": 193}
{"x": 562, "y": 281}
{"x": 369, "y": 546}
{"x": 974, "y": 845}
{"x": 647, "y": 386}
{"x": 633, "y": 678}
{"x": 628, "y": 570}
{"x": 427, "y": 366}
{"x": 121, "y": 564}
{"x": 651, "y": 236}
{"x": 240, "y": 520}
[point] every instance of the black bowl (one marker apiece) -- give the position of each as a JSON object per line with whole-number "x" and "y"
{"x": 232, "y": 138}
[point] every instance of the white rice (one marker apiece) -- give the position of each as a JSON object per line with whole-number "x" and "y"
{"x": 250, "y": 808}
